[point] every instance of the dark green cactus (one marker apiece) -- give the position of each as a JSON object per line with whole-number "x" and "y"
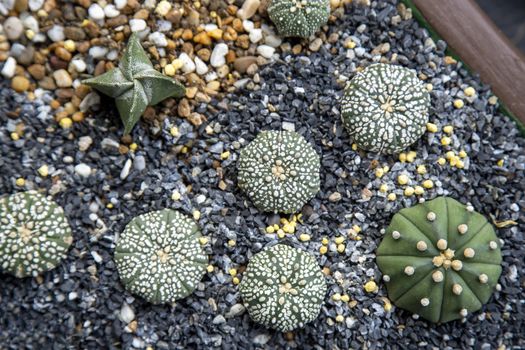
{"x": 299, "y": 18}
{"x": 135, "y": 84}
{"x": 440, "y": 259}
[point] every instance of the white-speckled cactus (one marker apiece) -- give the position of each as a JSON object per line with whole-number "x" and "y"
{"x": 283, "y": 288}
{"x": 34, "y": 234}
{"x": 385, "y": 108}
{"x": 279, "y": 171}
{"x": 159, "y": 256}
{"x": 440, "y": 259}
{"x": 299, "y": 18}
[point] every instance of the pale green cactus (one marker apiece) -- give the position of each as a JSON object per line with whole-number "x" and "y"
{"x": 135, "y": 84}
{"x": 440, "y": 259}
{"x": 34, "y": 234}
{"x": 159, "y": 257}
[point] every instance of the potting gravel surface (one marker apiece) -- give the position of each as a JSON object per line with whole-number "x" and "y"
{"x": 82, "y": 304}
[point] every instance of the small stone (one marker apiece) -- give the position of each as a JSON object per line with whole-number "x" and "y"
{"x": 56, "y": 33}
{"x": 9, "y": 68}
{"x": 111, "y": 11}
{"x": 20, "y": 84}
{"x": 201, "y": 67}
{"x": 159, "y": 39}
{"x": 139, "y": 163}
{"x": 96, "y": 12}
{"x": 125, "y": 170}
{"x": 84, "y": 143}
{"x": 126, "y": 314}
{"x": 120, "y": 4}
{"x": 83, "y": 170}
{"x": 13, "y": 28}
{"x": 248, "y": 9}
{"x": 265, "y": 51}
{"x": 241, "y": 64}
{"x": 74, "y": 33}
{"x": 315, "y": 45}
{"x": 98, "y": 52}
{"x": 188, "y": 65}
{"x": 35, "y": 5}
{"x": 256, "y": 35}
{"x": 79, "y": 65}
{"x": 218, "y": 54}
{"x": 137, "y": 25}
{"x": 62, "y": 78}
{"x": 235, "y": 310}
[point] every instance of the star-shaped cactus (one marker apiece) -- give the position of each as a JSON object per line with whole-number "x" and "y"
{"x": 135, "y": 84}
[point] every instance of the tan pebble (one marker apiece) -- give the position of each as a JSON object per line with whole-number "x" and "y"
{"x": 37, "y": 71}
{"x": 202, "y": 38}
{"x": 63, "y": 54}
{"x": 204, "y": 54}
{"x": 20, "y": 84}
{"x": 248, "y": 9}
{"x": 191, "y": 92}
{"x": 184, "y": 108}
{"x": 241, "y": 64}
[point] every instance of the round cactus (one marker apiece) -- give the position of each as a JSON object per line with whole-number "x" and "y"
{"x": 279, "y": 171}
{"x": 159, "y": 257}
{"x": 283, "y": 288}
{"x": 34, "y": 234}
{"x": 385, "y": 108}
{"x": 299, "y": 18}
{"x": 440, "y": 259}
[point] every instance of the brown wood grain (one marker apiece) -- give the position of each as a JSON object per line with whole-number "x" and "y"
{"x": 482, "y": 46}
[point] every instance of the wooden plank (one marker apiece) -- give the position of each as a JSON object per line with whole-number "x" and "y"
{"x": 482, "y": 46}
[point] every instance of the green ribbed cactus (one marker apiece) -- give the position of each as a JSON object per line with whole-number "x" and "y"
{"x": 135, "y": 84}
{"x": 300, "y": 18}
{"x": 159, "y": 257}
{"x": 283, "y": 288}
{"x": 385, "y": 108}
{"x": 440, "y": 259}
{"x": 34, "y": 234}
{"x": 279, "y": 171}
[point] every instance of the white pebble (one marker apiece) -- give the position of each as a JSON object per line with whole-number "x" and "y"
{"x": 126, "y": 313}
{"x": 273, "y": 40}
{"x": 217, "y": 58}
{"x": 84, "y": 143}
{"x": 9, "y": 68}
{"x": 256, "y": 35}
{"x": 159, "y": 39}
{"x": 83, "y": 170}
{"x": 96, "y": 12}
{"x": 111, "y": 11}
{"x": 79, "y": 65}
{"x": 35, "y": 5}
{"x": 202, "y": 68}
{"x": 98, "y": 51}
{"x": 188, "y": 65}
{"x": 265, "y": 51}
{"x": 13, "y": 28}
{"x": 248, "y": 9}
{"x": 56, "y": 33}
{"x": 120, "y": 4}
{"x": 125, "y": 170}
{"x": 31, "y": 22}
{"x": 62, "y": 78}
{"x": 97, "y": 257}
{"x": 137, "y": 25}
{"x": 248, "y": 25}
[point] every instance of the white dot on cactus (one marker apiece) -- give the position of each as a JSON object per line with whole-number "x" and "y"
{"x": 470, "y": 208}
{"x": 425, "y": 302}
{"x": 483, "y": 278}
{"x": 437, "y": 276}
{"x": 457, "y": 289}
{"x": 462, "y": 229}
{"x": 409, "y": 270}
{"x": 469, "y": 253}
{"x": 431, "y": 216}
{"x": 386, "y": 278}
{"x": 421, "y": 246}
{"x": 457, "y": 265}
{"x": 463, "y": 312}
{"x": 442, "y": 244}
{"x": 493, "y": 245}
{"x": 396, "y": 235}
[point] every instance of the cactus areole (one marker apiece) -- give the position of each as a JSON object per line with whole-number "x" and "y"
{"x": 299, "y": 18}
{"x": 159, "y": 256}
{"x": 440, "y": 259}
{"x": 279, "y": 171}
{"x": 385, "y": 108}
{"x": 283, "y": 288}
{"x": 34, "y": 234}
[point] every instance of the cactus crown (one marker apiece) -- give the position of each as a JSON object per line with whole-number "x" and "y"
{"x": 159, "y": 256}
{"x": 300, "y": 18}
{"x": 135, "y": 84}
{"x": 385, "y": 108}
{"x": 279, "y": 171}
{"x": 283, "y": 288}
{"x": 440, "y": 259}
{"x": 34, "y": 234}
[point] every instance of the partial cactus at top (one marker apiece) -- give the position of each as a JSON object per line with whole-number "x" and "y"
{"x": 159, "y": 257}
{"x": 34, "y": 234}
{"x": 279, "y": 171}
{"x": 135, "y": 84}
{"x": 440, "y": 259}
{"x": 299, "y": 18}
{"x": 283, "y": 288}
{"x": 385, "y": 108}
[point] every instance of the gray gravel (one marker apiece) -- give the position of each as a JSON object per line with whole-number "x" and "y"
{"x": 81, "y": 304}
